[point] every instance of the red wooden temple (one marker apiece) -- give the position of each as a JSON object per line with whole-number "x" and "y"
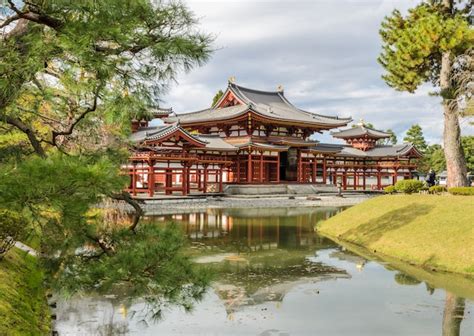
{"x": 259, "y": 137}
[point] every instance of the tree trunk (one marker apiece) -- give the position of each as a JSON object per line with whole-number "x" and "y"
{"x": 453, "y": 315}
{"x": 453, "y": 152}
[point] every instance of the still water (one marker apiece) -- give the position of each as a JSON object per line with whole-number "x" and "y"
{"x": 276, "y": 276}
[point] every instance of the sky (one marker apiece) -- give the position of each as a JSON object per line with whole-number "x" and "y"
{"x": 323, "y": 52}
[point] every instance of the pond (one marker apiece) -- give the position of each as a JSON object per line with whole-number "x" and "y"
{"x": 276, "y": 276}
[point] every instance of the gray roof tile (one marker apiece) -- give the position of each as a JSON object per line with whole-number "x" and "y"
{"x": 268, "y": 104}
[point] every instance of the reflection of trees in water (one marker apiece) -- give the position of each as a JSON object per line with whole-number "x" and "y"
{"x": 453, "y": 314}
{"x": 406, "y": 280}
{"x": 453, "y": 306}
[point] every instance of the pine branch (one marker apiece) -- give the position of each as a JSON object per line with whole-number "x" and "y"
{"x": 125, "y": 196}
{"x": 71, "y": 126}
{"x": 34, "y": 141}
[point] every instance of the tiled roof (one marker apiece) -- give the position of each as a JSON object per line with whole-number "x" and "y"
{"x": 360, "y": 131}
{"x": 262, "y": 146}
{"x": 269, "y": 104}
{"x": 211, "y": 142}
{"x": 217, "y": 143}
{"x": 159, "y": 132}
{"x": 376, "y": 152}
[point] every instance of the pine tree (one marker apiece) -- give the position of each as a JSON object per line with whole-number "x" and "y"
{"x": 415, "y": 136}
{"x": 430, "y": 44}
{"x": 217, "y": 96}
{"x": 73, "y": 75}
{"x": 393, "y": 137}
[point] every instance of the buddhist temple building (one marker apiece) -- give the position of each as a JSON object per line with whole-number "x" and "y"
{"x": 260, "y": 138}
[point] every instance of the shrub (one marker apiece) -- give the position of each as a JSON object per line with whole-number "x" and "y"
{"x": 409, "y": 186}
{"x": 389, "y": 189}
{"x": 437, "y": 189}
{"x": 463, "y": 191}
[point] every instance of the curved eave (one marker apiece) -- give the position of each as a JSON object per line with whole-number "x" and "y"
{"x": 265, "y": 118}
{"x": 216, "y": 149}
{"x": 265, "y": 147}
{"x": 345, "y": 137}
{"x": 178, "y": 131}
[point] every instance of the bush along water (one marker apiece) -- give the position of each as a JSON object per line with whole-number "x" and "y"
{"x": 409, "y": 186}
{"x": 389, "y": 189}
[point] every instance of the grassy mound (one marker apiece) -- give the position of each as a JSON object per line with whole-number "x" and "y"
{"x": 23, "y": 307}
{"x": 427, "y": 230}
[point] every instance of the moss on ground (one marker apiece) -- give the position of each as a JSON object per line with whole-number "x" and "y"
{"x": 23, "y": 306}
{"x": 428, "y": 230}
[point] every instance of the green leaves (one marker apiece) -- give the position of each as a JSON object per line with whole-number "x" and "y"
{"x": 415, "y": 136}
{"x": 412, "y": 45}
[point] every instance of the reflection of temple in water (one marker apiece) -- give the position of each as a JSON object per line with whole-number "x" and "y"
{"x": 257, "y": 254}
{"x": 252, "y": 229}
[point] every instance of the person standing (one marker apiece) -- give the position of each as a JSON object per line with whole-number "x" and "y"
{"x": 431, "y": 178}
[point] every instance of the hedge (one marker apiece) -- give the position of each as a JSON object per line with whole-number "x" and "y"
{"x": 409, "y": 186}
{"x": 389, "y": 189}
{"x": 437, "y": 189}
{"x": 464, "y": 191}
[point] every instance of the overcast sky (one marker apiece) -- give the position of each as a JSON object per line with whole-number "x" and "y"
{"x": 323, "y": 52}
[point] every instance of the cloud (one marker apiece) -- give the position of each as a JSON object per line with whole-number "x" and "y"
{"x": 324, "y": 53}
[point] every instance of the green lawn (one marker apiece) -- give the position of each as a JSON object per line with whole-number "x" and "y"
{"x": 23, "y": 307}
{"x": 427, "y": 230}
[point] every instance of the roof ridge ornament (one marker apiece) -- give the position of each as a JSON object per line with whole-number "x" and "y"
{"x": 280, "y": 88}
{"x": 231, "y": 80}
{"x": 361, "y": 123}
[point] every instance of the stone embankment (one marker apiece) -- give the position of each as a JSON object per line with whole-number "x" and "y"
{"x": 183, "y": 205}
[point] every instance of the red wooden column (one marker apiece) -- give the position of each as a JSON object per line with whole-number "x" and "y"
{"x": 324, "y": 171}
{"x": 198, "y": 178}
{"x": 261, "y": 167}
{"x": 249, "y": 167}
{"x": 184, "y": 180}
{"x": 238, "y": 168}
{"x": 205, "y": 178}
{"x": 151, "y": 178}
{"x": 188, "y": 178}
{"x": 363, "y": 178}
{"x": 220, "y": 178}
{"x": 344, "y": 179}
{"x": 394, "y": 176}
{"x": 134, "y": 180}
{"x": 299, "y": 175}
{"x": 356, "y": 179}
{"x": 314, "y": 170}
{"x": 168, "y": 180}
{"x": 379, "y": 179}
{"x": 278, "y": 168}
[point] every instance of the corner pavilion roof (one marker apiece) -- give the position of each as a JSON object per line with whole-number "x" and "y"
{"x": 360, "y": 131}
{"x": 378, "y": 151}
{"x": 209, "y": 142}
{"x": 267, "y": 104}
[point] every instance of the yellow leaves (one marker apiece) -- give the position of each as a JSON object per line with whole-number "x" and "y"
{"x": 49, "y": 214}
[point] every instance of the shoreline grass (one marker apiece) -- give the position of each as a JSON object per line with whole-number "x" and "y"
{"x": 23, "y": 306}
{"x": 431, "y": 231}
